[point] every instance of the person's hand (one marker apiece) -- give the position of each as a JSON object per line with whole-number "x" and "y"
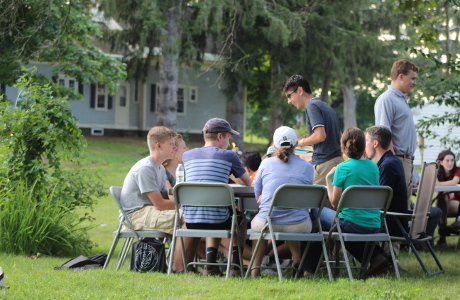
{"x": 259, "y": 200}
{"x": 330, "y": 175}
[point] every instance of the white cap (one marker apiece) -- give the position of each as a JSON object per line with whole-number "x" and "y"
{"x": 284, "y": 137}
{"x": 271, "y": 150}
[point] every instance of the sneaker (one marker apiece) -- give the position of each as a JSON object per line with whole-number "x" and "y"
{"x": 212, "y": 271}
{"x": 447, "y": 230}
{"x": 235, "y": 272}
{"x": 383, "y": 267}
{"x": 456, "y": 225}
{"x": 284, "y": 263}
{"x": 442, "y": 243}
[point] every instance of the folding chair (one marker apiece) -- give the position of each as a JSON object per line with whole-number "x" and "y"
{"x": 205, "y": 194}
{"x": 419, "y": 217}
{"x": 294, "y": 196}
{"x": 365, "y": 198}
{"x": 129, "y": 234}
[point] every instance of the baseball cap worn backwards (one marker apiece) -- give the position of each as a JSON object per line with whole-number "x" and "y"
{"x": 284, "y": 137}
{"x": 219, "y": 125}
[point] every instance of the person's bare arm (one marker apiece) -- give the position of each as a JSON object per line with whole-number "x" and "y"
{"x": 244, "y": 180}
{"x": 333, "y": 192}
{"x": 318, "y": 136}
{"x": 159, "y": 202}
{"x": 451, "y": 182}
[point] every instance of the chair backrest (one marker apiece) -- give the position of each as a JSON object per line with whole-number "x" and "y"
{"x": 299, "y": 196}
{"x": 116, "y": 194}
{"x": 203, "y": 194}
{"x": 366, "y": 197}
{"x": 423, "y": 199}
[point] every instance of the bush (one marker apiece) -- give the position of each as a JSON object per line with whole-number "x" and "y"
{"x": 40, "y": 163}
{"x": 33, "y": 221}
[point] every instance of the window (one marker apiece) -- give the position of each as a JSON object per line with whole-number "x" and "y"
{"x": 122, "y": 96}
{"x": 101, "y": 96}
{"x": 68, "y": 82}
{"x": 181, "y": 98}
{"x": 100, "y": 100}
{"x": 72, "y": 84}
{"x": 193, "y": 94}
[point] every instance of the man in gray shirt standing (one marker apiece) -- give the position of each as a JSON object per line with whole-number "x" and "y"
{"x": 391, "y": 110}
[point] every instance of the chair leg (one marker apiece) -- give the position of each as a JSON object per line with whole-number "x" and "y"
{"x": 254, "y": 253}
{"x": 393, "y": 257}
{"x": 326, "y": 258}
{"x": 123, "y": 245}
{"x": 112, "y": 249}
{"x": 435, "y": 257}
{"x": 277, "y": 260}
{"x": 124, "y": 254}
{"x": 171, "y": 253}
{"x": 345, "y": 256}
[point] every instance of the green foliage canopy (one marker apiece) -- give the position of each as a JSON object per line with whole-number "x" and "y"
{"x": 56, "y": 32}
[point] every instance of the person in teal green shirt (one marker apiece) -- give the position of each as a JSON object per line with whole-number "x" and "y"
{"x": 357, "y": 170}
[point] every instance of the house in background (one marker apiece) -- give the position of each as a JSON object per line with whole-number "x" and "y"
{"x": 134, "y": 109}
{"x": 432, "y": 146}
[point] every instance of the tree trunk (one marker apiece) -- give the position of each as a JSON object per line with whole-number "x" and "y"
{"x": 328, "y": 63}
{"x": 349, "y": 106}
{"x": 275, "y": 105}
{"x": 169, "y": 71}
{"x": 236, "y": 111}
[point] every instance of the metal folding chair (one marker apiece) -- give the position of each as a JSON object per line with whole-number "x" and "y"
{"x": 130, "y": 233}
{"x": 205, "y": 194}
{"x": 419, "y": 217}
{"x": 365, "y": 198}
{"x": 293, "y": 196}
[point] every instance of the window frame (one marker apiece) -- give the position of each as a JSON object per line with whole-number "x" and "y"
{"x": 185, "y": 97}
{"x": 106, "y": 98}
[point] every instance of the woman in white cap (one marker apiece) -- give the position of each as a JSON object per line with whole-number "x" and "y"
{"x": 284, "y": 167}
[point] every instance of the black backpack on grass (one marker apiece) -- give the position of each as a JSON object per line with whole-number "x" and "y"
{"x": 84, "y": 263}
{"x": 148, "y": 255}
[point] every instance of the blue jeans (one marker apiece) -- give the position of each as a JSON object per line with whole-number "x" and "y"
{"x": 355, "y": 248}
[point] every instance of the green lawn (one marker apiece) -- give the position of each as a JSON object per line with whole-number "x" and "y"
{"x": 30, "y": 278}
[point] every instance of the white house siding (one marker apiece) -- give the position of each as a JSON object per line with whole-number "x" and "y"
{"x": 432, "y": 146}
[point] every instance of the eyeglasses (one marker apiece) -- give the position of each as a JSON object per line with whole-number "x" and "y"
{"x": 290, "y": 94}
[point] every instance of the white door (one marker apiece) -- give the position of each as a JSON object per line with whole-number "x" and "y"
{"x": 122, "y": 106}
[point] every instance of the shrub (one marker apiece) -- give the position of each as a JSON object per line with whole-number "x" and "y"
{"x": 40, "y": 150}
{"x": 33, "y": 221}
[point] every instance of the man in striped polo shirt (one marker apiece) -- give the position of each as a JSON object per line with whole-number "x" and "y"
{"x": 214, "y": 163}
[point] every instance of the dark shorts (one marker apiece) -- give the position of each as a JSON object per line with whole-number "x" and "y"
{"x": 219, "y": 226}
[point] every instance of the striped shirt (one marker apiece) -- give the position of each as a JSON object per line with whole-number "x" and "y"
{"x": 209, "y": 164}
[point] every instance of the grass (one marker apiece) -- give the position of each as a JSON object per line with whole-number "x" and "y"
{"x": 32, "y": 278}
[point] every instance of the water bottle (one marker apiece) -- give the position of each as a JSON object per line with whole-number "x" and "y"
{"x": 180, "y": 174}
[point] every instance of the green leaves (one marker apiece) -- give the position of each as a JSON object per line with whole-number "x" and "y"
{"x": 43, "y": 182}
{"x": 56, "y": 32}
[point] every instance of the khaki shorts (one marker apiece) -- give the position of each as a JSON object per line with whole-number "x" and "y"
{"x": 321, "y": 170}
{"x": 304, "y": 227}
{"x": 150, "y": 218}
